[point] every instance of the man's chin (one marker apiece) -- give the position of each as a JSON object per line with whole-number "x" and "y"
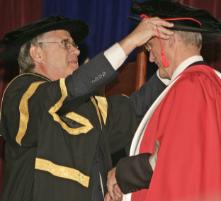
{"x": 163, "y": 73}
{"x": 74, "y": 67}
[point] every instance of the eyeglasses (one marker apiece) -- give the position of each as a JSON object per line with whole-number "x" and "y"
{"x": 147, "y": 47}
{"x": 66, "y": 43}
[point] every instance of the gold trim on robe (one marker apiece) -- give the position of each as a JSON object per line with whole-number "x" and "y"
{"x": 86, "y": 124}
{"x": 101, "y": 105}
{"x": 23, "y": 109}
{"x": 62, "y": 171}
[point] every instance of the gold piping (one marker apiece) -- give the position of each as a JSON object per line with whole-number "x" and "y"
{"x": 86, "y": 125}
{"x": 103, "y": 106}
{"x": 18, "y": 76}
{"x": 62, "y": 171}
{"x": 97, "y": 110}
{"x": 23, "y": 109}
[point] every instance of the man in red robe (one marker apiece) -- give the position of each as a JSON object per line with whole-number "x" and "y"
{"x": 177, "y": 146}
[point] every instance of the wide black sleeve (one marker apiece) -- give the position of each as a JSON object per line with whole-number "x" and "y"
{"x": 90, "y": 76}
{"x": 146, "y": 95}
{"x": 121, "y": 122}
{"x": 133, "y": 173}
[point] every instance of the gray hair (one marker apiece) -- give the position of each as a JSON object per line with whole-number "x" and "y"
{"x": 191, "y": 38}
{"x": 25, "y": 61}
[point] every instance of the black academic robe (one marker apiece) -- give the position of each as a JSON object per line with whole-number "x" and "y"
{"x": 143, "y": 98}
{"x": 135, "y": 172}
{"x": 50, "y": 147}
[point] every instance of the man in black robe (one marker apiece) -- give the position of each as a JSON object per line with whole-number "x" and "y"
{"x": 57, "y": 132}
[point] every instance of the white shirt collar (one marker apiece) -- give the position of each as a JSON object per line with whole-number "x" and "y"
{"x": 186, "y": 63}
{"x": 166, "y": 81}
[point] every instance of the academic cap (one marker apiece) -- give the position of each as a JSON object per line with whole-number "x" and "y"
{"x": 12, "y": 41}
{"x": 184, "y": 18}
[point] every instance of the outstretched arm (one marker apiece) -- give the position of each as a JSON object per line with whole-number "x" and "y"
{"x": 100, "y": 70}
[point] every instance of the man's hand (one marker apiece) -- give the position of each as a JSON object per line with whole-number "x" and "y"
{"x": 147, "y": 28}
{"x": 113, "y": 189}
{"x": 107, "y": 197}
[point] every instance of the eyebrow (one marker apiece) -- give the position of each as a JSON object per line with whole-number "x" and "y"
{"x": 68, "y": 39}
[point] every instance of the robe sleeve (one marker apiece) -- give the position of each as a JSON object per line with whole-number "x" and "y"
{"x": 122, "y": 122}
{"x": 133, "y": 173}
{"x": 146, "y": 95}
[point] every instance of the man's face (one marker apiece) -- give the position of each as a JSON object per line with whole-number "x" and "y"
{"x": 155, "y": 48}
{"x": 59, "y": 53}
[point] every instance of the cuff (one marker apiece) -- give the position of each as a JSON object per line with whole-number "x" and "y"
{"x": 115, "y": 55}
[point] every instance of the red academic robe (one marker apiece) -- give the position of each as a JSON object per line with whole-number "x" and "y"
{"x": 187, "y": 125}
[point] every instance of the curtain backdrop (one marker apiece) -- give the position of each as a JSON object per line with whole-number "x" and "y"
{"x": 107, "y": 19}
{"x": 16, "y": 13}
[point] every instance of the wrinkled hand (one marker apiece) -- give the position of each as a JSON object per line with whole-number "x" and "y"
{"x": 147, "y": 28}
{"x": 113, "y": 189}
{"x": 107, "y": 197}
{"x": 150, "y": 27}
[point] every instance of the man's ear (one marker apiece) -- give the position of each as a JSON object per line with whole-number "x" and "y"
{"x": 36, "y": 54}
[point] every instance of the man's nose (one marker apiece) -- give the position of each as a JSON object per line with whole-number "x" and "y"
{"x": 74, "y": 50}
